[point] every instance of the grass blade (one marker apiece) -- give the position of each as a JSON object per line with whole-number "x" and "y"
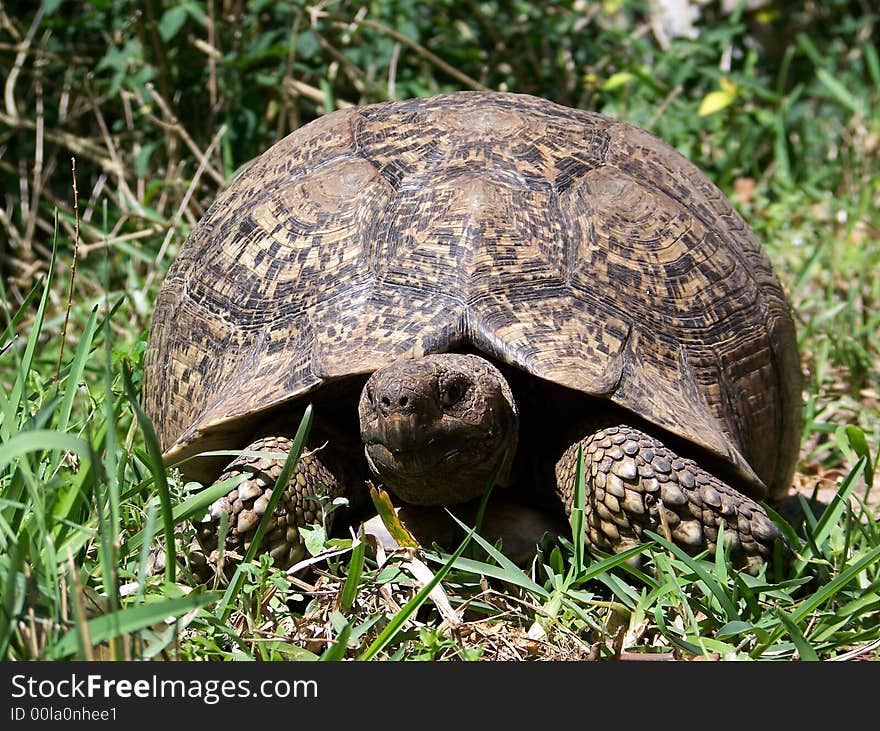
{"x": 195, "y": 505}
{"x": 804, "y": 648}
{"x": 606, "y": 564}
{"x": 132, "y": 619}
{"x": 24, "y": 369}
{"x": 44, "y": 440}
{"x": 577, "y": 513}
{"x": 821, "y": 529}
{"x": 10, "y": 599}
{"x": 708, "y": 580}
{"x": 77, "y": 367}
{"x": 831, "y": 588}
{"x": 412, "y": 606}
{"x": 355, "y": 569}
{"x": 391, "y": 521}
{"x": 158, "y": 469}
{"x": 507, "y": 570}
{"x": 336, "y": 651}
{"x": 840, "y": 92}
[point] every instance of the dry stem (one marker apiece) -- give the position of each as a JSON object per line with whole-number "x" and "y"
{"x": 72, "y": 267}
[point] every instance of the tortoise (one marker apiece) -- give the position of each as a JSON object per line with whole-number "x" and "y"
{"x": 446, "y": 278}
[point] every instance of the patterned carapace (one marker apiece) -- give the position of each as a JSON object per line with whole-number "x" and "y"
{"x": 578, "y": 248}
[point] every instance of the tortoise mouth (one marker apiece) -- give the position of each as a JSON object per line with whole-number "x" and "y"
{"x": 412, "y": 463}
{"x": 402, "y": 433}
{"x": 433, "y": 475}
{"x": 405, "y": 434}
{"x": 432, "y": 461}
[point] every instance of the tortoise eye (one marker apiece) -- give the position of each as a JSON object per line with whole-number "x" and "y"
{"x": 453, "y": 392}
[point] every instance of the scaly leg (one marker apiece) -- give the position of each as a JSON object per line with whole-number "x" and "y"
{"x": 315, "y": 475}
{"x": 634, "y": 482}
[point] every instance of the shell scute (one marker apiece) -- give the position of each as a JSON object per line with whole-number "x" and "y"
{"x": 580, "y": 249}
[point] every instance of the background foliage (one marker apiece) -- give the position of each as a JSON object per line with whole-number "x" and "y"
{"x": 159, "y": 102}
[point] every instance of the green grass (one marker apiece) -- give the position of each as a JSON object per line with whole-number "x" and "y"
{"x": 159, "y": 110}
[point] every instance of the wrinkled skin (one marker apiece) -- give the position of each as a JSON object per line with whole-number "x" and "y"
{"x": 436, "y": 428}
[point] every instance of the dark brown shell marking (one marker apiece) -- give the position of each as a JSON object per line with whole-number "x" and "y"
{"x": 581, "y": 249}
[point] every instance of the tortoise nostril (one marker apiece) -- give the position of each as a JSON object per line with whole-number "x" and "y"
{"x": 392, "y": 400}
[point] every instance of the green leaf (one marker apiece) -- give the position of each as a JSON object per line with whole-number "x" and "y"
{"x": 623, "y": 591}
{"x": 171, "y": 22}
{"x": 859, "y": 443}
{"x": 15, "y": 397}
{"x": 606, "y": 564}
{"x": 336, "y": 651}
{"x": 515, "y": 576}
{"x": 77, "y": 367}
{"x": 734, "y": 628}
{"x": 824, "y": 593}
{"x": 710, "y": 582}
{"x": 43, "y": 440}
{"x": 142, "y": 159}
{"x": 313, "y": 536}
{"x": 872, "y": 61}
{"x": 12, "y": 594}
{"x": 195, "y": 11}
{"x": 307, "y": 45}
{"x": 193, "y": 506}
{"x": 721, "y": 556}
{"x": 673, "y": 638}
{"x": 839, "y": 92}
{"x": 823, "y": 528}
{"x": 507, "y": 570}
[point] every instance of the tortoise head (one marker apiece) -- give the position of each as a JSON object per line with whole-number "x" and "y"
{"x": 435, "y": 428}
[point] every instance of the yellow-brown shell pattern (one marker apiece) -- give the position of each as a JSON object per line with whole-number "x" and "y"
{"x": 581, "y": 249}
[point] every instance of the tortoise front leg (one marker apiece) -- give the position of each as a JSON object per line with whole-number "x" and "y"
{"x": 634, "y": 482}
{"x": 316, "y": 474}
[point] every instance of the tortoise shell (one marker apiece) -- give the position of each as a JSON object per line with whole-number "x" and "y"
{"x": 578, "y": 248}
